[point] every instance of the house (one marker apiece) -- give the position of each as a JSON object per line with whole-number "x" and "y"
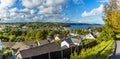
{"x": 37, "y": 51}
{"x": 50, "y": 39}
{"x": 18, "y": 46}
{"x": 59, "y": 37}
{"x": 43, "y": 42}
{"x": 91, "y": 35}
{"x": 8, "y": 44}
{"x": 67, "y": 43}
{"x": 30, "y": 43}
{"x": 25, "y": 43}
{"x": 74, "y": 34}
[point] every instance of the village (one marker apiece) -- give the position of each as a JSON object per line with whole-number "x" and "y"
{"x": 57, "y": 43}
{"x": 59, "y": 29}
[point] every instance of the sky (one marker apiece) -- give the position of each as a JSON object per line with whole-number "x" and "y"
{"x": 68, "y": 11}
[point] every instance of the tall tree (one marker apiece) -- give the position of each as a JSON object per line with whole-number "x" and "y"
{"x": 112, "y": 15}
{"x": 41, "y": 35}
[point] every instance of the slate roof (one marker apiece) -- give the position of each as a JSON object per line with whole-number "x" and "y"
{"x": 69, "y": 41}
{"x": 20, "y": 45}
{"x": 43, "y": 42}
{"x": 50, "y": 38}
{"x": 8, "y": 44}
{"x": 72, "y": 40}
{"x": 51, "y": 47}
{"x": 30, "y": 42}
{"x": 60, "y": 36}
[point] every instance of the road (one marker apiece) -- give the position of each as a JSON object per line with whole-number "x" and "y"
{"x": 116, "y": 53}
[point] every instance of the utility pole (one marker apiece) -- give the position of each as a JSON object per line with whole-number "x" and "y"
{"x": 61, "y": 54}
{"x": 49, "y": 55}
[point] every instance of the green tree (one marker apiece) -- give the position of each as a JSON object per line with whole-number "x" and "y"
{"x": 106, "y": 34}
{"x": 20, "y": 38}
{"x": 53, "y": 32}
{"x": 12, "y": 38}
{"x": 74, "y": 55}
{"x": 112, "y": 15}
{"x": 65, "y": 32}
{"x": 79, "y": 31}
{"x": 41, "y": 35}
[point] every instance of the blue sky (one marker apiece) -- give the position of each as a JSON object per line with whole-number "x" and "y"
{"x": 70, "y": 11}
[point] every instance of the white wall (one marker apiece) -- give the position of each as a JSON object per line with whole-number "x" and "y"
{"x": 57, "y": 38}
{"x": 89, "y": 36}
{"x": 63, "y": 44}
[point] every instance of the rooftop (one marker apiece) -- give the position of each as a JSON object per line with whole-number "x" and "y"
{"x": 51, "y": 47}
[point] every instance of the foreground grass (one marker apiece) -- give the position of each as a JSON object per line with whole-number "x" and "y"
{"x": 106, "y": 52}
{"x": 88, "y": 53}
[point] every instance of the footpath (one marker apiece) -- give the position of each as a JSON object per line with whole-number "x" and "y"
{"x": 116, "y": 53}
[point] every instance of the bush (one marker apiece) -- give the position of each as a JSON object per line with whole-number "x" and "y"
{"x": 88, "y": 53}
{"x": 88, "y": 41}
{"x": 106, "y": 52}
{"x": 58, "y": 42}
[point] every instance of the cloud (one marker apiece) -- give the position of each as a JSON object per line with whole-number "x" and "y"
{"x": 78, "y": 1}
{"x": 103, "y": 1}
{"x": 34, "y": 10}
{"x": 4, "y": 5}
{"x": 32, "y": 3}
{"x": 23, "y": 13}
{"x": 50, "y": 11}
{"x": 94, "y": 11}
{"x": 51, "y": 8}
{"x": 48, "y": 8}
{"x": 53, "y": 2}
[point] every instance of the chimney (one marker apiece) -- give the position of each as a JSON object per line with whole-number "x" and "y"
{"x": 38, "y": 43}
{"x": 31, "y": 46}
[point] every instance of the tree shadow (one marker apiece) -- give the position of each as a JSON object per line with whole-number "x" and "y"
{"x": 114, "y": 55}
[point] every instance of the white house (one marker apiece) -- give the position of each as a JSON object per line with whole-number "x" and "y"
{"x": 58, "y": 37}
{"x": 70, "y": 42}
{"x": 74, "y": 34}
{"x": 89, "y": 36}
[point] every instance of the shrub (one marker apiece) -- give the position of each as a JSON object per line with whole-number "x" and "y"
{"x": 88, "y": 53}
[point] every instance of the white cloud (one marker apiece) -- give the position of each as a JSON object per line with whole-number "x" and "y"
{"x": 103, "y": 1}
{"x": 50, "y": 11}
{"x": 32, "y": 12}
{"x": 53, "y": 2}
{"x": 46, "y": 9}
{"x": 4, "y": 7}
{"x": 17, "y": 14}
{"x": 6, "y": 3}
{"x": 78, "y": 1}
{"x": 32, "y": 3}
{"x": 51, "y": 8}
{"x": 93, "y": 12}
